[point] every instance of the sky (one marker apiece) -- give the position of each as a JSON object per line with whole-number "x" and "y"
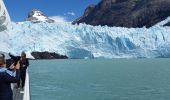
{"x": 62, "y": 9}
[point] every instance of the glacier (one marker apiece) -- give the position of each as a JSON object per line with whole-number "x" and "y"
{"x": 86, "y": 41}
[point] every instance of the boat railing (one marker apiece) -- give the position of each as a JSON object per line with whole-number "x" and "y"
{"x": 27, "y": 87}
{"x": 19, "y": 93}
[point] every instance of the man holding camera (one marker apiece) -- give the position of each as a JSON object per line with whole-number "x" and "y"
{"x": 24, "y": 63}
{"x": 6, "y": 78}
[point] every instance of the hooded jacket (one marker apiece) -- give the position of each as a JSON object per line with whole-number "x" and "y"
{"x": 5, "y": 83}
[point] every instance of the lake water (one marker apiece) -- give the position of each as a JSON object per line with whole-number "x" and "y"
{"x": 116, "y": 79}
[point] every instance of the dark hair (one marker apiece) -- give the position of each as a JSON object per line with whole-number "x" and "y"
{"x": 23, "y": 53}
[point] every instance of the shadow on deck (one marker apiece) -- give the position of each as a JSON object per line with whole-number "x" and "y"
{"x": 18, "y": 93}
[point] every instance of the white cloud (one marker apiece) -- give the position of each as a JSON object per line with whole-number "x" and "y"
{"x": 70, "y": 13}
{"x": 58, "y": 18}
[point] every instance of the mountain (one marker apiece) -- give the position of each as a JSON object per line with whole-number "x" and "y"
{"x": 38, "y": 16}
{"x": 126, "y": 13}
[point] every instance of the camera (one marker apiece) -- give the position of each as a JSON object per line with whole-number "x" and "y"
{"x": 14, "y": 59}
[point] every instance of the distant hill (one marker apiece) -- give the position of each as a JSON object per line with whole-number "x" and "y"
{"x": 126, "y": 13}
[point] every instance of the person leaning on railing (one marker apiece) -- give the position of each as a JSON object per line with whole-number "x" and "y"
{"x": 6, "y": 78}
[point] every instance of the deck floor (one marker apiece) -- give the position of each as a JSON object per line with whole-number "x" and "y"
{"x": 17, "y": 95}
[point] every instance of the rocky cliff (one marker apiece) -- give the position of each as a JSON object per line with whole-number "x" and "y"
{"x": 126, "y": 13}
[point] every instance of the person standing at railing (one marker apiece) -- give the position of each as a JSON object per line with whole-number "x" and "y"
{"x": 24, "y": 62}
{"x": 6, "y": 78}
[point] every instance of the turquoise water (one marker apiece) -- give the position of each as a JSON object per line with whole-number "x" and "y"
{"x": 117, "y": 79}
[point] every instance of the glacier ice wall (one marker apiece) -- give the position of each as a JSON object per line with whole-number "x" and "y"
{"x": 85, "y": 41}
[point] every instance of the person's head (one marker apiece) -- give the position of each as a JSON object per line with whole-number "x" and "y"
{"x": 2, "y": 61}
{"x": 23, "y": 55}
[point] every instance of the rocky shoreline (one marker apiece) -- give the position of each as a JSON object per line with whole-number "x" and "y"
{"x": 47, "y": 55}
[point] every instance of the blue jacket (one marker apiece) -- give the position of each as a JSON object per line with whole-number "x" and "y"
{"x": 7, "y": 70}
{"x": 5, "y": 84}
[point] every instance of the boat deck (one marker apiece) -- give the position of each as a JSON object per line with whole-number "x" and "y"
{"x": 17, "y": 95}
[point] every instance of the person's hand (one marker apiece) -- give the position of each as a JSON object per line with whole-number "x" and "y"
{"x": 23, "y": 65}
{"x": 18, "y": 65}
{"x": 12, "y": 66}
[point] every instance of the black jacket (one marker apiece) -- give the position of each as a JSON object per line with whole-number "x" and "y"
{"x": 5, "y": 85}
{"x": 26, "y": 63}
